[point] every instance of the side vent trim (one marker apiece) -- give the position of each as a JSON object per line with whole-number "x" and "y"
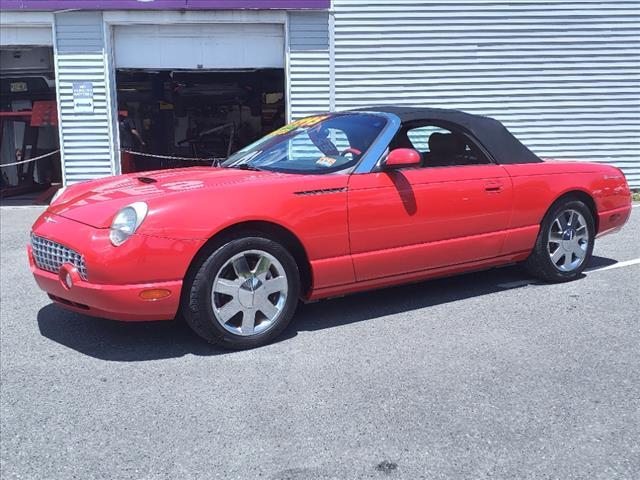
{"x": 322, "y": 191}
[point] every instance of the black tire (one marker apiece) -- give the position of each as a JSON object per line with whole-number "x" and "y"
{"x": 197, "y": 308}
{"x": 539, "y": 263}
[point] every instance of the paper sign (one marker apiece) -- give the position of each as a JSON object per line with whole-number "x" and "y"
{"x": 326, "y": 161}
{"x": 302, "y": 123}
{"x": 18, "y": 87}
{"x": 83, "y": 97}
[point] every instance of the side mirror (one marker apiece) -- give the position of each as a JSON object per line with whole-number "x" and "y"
{"x": 402, "y": 158}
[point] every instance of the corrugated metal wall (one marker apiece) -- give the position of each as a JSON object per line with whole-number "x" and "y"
{"x": 563, "y": 76}
{"x": 86, "y": 138}
{"x": 309, "y": 72}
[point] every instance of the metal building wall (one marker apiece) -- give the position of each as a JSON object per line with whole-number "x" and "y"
{"x": 564, "y": 76}
{"x": 87, "y": 140}
{"x": 309, "y": 63}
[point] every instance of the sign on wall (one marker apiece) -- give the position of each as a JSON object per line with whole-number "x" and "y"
{"x": 83, "y": 97}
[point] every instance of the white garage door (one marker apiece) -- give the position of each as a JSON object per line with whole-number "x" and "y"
{"x": 217, "y": 46}
{"x": 10, "y": 36}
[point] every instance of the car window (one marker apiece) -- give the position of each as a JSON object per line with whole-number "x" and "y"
{"x": 441, "y": 147}
{"x": 419, "y": 137}
{"x": 321, "y": 144}
{"x": 303, "y": 147}
{"x": 339, "y": 139}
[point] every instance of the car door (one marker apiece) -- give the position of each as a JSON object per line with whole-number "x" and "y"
{"x": 444, "y": 213}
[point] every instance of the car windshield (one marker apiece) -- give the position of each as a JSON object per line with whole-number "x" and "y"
{"x": 314, "y": 145}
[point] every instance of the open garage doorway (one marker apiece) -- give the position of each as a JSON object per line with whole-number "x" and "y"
{"x": 194, "y": 114}
{"x": 196, "y": 90}
{"x": 28, "y": 124}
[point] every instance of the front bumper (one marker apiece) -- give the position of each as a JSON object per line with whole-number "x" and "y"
{"x": 116, "y": 275}
{"x": 116, "y": 302}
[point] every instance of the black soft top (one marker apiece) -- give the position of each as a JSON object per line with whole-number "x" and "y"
{"x": 499, "y": 142}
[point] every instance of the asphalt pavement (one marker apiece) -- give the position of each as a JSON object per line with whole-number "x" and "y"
{"x": 486, "y": 375}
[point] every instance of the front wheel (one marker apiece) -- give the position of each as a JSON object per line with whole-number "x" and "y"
{"x": 564, "y": 244}
{"x": 244, "y": 294}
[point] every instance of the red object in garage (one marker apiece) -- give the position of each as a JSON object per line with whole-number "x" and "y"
{"x": 44, "y": 113}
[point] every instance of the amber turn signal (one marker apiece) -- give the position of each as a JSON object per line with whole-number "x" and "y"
{"x": 154, "y": 294}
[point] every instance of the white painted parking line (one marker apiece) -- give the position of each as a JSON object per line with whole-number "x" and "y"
{"x": 529, "y": 281}
{"x": 626, "y": 263}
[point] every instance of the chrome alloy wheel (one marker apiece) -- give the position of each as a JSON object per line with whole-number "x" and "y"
{"x": 568, "y": 240}
{"x": 249, "y": 292}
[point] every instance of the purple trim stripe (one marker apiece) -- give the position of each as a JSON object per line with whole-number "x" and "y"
{"x": 51, "y": 5}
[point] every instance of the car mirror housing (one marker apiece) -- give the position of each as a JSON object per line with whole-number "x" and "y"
{"x": 402, "y": 158}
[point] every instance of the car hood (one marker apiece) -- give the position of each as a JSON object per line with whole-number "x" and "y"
{"x": 95, "y": 203}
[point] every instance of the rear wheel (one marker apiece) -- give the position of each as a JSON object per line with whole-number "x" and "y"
{"x": 244, "y": 294}
{"x": 564, "y": 244}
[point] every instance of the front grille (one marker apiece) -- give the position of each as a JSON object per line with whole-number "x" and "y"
{"x": 50, "y": 256}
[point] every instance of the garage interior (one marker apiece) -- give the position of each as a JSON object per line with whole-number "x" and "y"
{"x": 198, "y": 114}
{"x": 28, "y": 123}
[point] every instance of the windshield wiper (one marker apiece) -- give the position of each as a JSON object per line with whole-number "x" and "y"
{"x": 246, "y": 166}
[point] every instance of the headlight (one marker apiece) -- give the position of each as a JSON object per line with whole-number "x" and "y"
{"x": 126, "y": 222}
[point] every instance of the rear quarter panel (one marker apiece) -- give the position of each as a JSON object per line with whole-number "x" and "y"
{"x": 537, "y": 186}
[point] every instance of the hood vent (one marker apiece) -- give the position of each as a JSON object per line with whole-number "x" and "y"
{"x": 147, "y": 180}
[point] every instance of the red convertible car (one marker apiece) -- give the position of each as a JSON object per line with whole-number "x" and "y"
{"x": 325, "y": 206}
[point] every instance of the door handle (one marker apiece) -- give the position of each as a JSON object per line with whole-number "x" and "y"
{"x": 493, "y": 187}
